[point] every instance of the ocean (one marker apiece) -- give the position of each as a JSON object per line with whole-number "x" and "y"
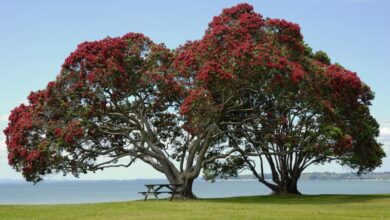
{"x": 65, "y": 192}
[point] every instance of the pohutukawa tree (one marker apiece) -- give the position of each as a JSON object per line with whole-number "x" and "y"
{"x": 279, "y": 104}
{"x": 115, "y": 101}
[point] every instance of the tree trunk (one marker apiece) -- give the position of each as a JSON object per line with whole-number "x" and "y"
{"x": 187, "y": 189}
{"x": 187, "y": 185}
{"x": 289, "y": 186}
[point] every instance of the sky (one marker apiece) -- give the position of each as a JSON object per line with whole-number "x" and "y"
{"x": 37, "y": 36}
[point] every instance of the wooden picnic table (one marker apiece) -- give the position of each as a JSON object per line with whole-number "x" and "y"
{"x": 156, "y": 189}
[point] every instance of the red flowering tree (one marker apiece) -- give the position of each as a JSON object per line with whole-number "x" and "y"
{"x": 115, "y": 101}
{"x": 280, "y": 105}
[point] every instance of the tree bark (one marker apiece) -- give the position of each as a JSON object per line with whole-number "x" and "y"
{"x": 283, "y": 181}
{"x": 187, "y": 189}
{"x": 286, "y": 187}
{"x": 182, "y": 178}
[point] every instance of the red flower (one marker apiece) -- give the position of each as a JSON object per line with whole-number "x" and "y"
{"x": 58, "y": 132}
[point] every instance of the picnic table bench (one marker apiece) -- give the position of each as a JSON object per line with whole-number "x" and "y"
{"x": 156, "y": 189}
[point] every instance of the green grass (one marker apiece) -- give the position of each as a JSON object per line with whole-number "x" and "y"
{"x": 256, "y": 207}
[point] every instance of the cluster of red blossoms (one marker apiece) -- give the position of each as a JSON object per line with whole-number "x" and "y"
{"x": 70, "y": 133}
{"x": 20, "y": 140}
{"x": 241, "y": 45}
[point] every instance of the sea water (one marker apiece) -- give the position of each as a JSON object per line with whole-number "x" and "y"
{"x": 60, "y": 192}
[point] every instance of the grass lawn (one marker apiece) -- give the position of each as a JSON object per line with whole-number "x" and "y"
{"x": 257, "y": 207}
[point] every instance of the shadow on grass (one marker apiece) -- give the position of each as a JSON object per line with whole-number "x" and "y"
{"x": 300, "y": 199}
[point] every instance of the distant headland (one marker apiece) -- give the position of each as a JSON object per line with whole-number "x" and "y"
{"x": 333, "y": 176}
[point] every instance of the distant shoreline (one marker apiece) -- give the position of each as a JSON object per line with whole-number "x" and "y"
{"x": 378, "y": 176}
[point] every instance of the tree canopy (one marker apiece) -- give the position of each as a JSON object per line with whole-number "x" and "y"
{"x": 277, "y": 101}
{"x": 250, "y": 94}
{"x": 115, "y": 101}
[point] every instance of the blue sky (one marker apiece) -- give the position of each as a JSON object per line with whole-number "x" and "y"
{"x": 37, "y": 36}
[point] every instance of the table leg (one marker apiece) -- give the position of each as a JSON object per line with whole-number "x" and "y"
{"x": 173, "y": 194}
{"x": 147, "y": 194}
{"x": 155, "y": 195}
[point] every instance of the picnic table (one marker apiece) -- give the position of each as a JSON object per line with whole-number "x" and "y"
{"x": 157, "y": 189}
